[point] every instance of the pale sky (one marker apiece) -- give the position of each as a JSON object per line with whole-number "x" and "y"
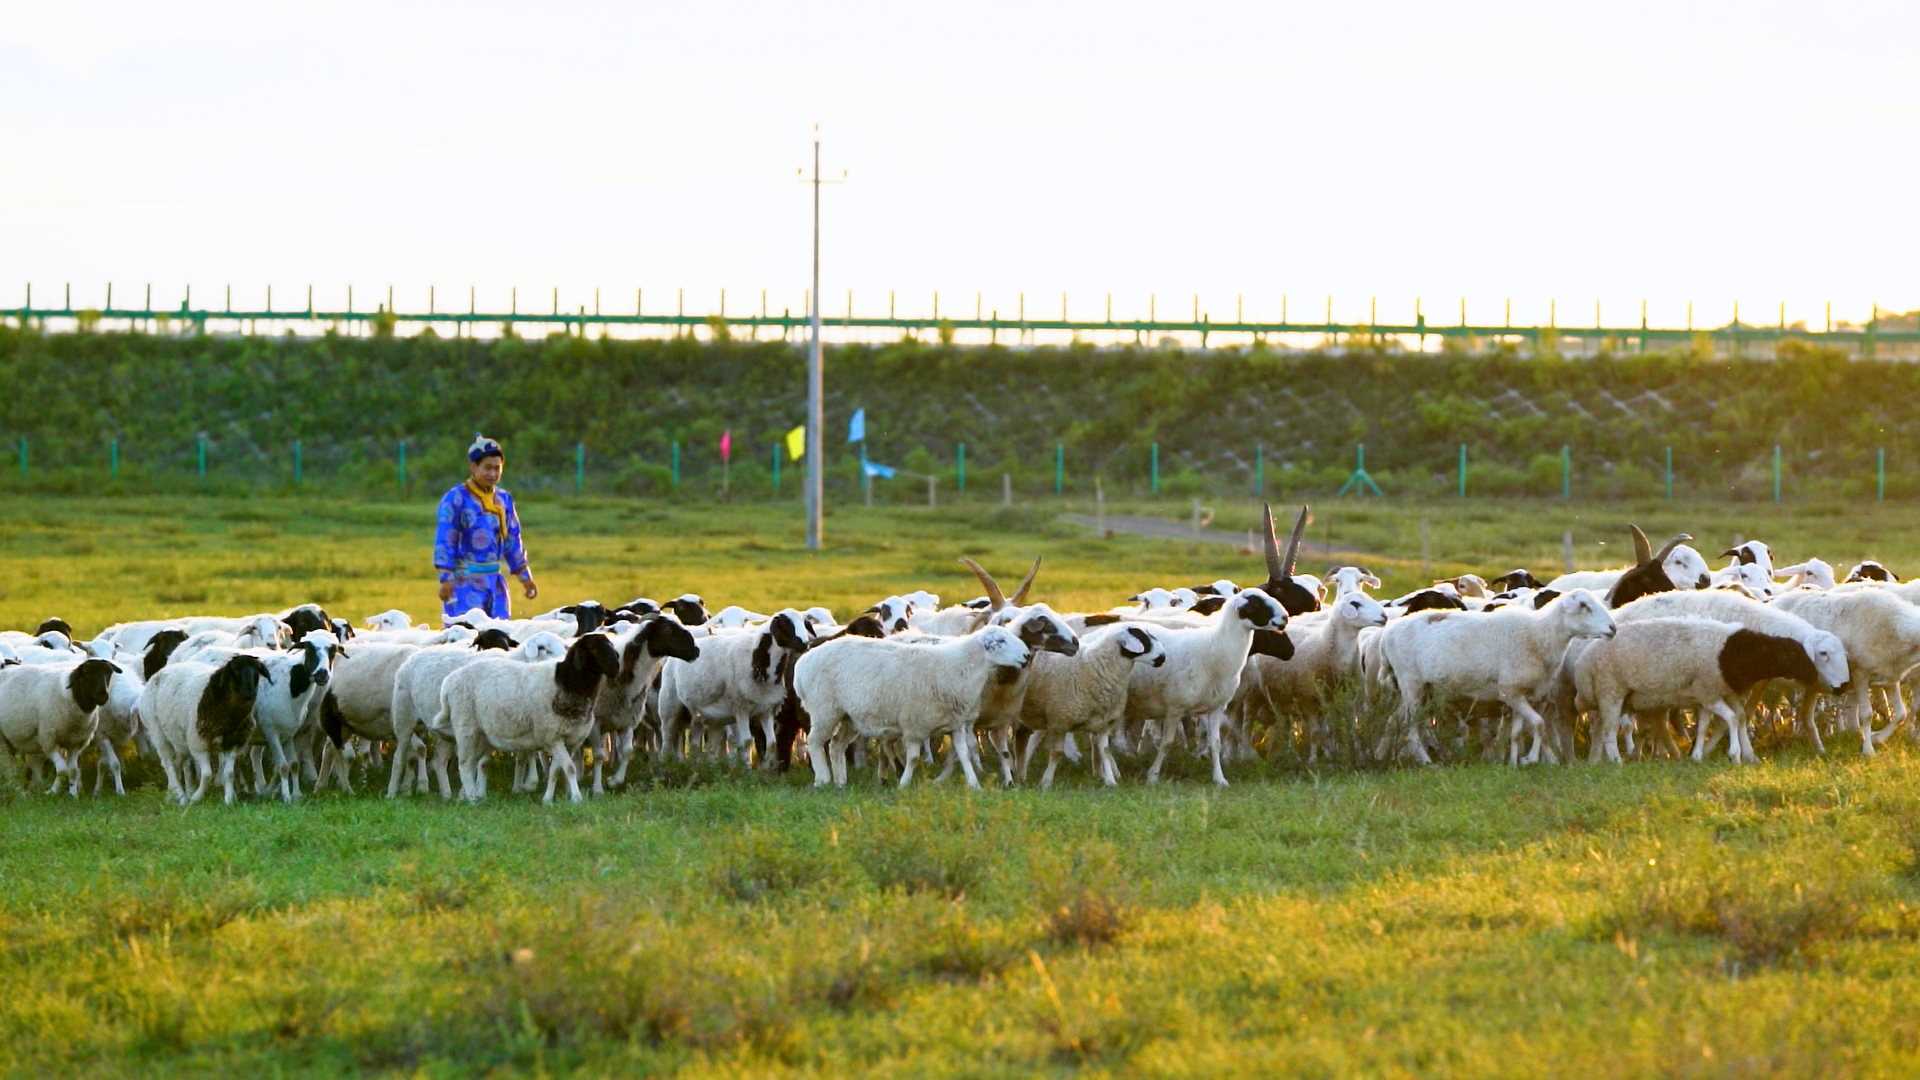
{"x": 1713, "y": 152}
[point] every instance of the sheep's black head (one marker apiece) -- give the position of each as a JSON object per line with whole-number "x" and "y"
{"x": 1042, "y": 631}
{"x": 1259, "y": 610}
{"x": 343, "y": 630}
{"x": 493, "y": 638}
{"x": 1872, "y": 571}
{"x": 1274, "y": 643}
{"x": 1648, "y": 575}
{"x": 88, "y": 683}
{"x": 159, "y": 649}
{"x": 1207, "y": 605}
{"x": 1516, "y": 579}
{"x": 784, "y": 632}
{"x": 1433, "y": 600}
{"x": 588, "y": 616}
{"x": 55, "y": 623}
{"x": 688, "y": 609}
{"x": 307, "y": 618}
{"x": 1750, "y": 657}
{"x": 1293, "y": 596}
{"x": 593, "y": 653}
{"x": 225, "y": 713}
{"x": 666, "y": 638}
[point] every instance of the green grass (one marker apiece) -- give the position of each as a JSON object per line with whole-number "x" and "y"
{"x": 1651, "y": 920}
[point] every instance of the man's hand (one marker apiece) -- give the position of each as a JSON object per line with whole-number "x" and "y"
{"x": 446, "y": 591}
{"x": 526, "y": 582}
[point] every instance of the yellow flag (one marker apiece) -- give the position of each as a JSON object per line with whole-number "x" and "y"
{"x": 797, "y": 442}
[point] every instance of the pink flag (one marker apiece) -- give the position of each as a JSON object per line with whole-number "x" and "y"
{"x": 726, "y": 445}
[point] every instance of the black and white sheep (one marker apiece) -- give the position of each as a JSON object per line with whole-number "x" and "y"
{"x": 202, "y": 710}
{"x": 53, "y": 711}
{"x": 1085, "y": 693}
{"x": 734, "y": 681}
{"x": 497, "y": 703}
{"x": 1201, "y": 674}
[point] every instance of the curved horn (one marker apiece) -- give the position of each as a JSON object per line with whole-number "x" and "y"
{"x": 1020, "y": 594}
{"x": 1642, "y": 550}
{"x": 1293, "y": 542}
{"x": 996, "y": 599}
{"x": 1671, "y": 544}
{"x": 1276, "y": 568}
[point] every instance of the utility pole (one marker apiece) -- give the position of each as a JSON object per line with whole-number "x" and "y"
{"x": 816, "y": 375}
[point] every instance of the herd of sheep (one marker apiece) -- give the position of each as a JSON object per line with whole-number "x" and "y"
{"x": 1627, "y": 655}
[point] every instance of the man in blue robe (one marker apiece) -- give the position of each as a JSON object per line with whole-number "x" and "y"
{"x": 478, "y": 537}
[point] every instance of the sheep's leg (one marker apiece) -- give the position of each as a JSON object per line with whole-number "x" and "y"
{"x": 204, "y": 764}
{"x": 1072, "y": 749}
{"x": 1896, "y": 712}
{"x": 176, "y": 791}
{"x": 1862, "y": 714}
{"x": 1054, "y": 747}
{"x": 966, "y": 750}
{"x": 623, "y": 745}
{"x": 830, "y": 765}
{"x": 397, "y": 779}
{"x": 110, "y": 759}
{"x": 1168, "y": 729}
{"x": 470, "y": 788}
{"x": 1410, "y": 719}
{"x": 1737, "y": 746}
{"x": 229, "y": 764}
{"x": 1603, "y": 747}
{"x": 912, "y": 757}
{"x": 1704, "y": 737}
{"x": 1524, "y": 712}
{"x": 1026, "y": 754}
{"x": 1213, "y": 721}
{"x": 1103, "y": 750}
{"x": 442, "y": 753}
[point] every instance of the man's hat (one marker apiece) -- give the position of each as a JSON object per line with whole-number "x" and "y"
{"x": 484, "y": 448}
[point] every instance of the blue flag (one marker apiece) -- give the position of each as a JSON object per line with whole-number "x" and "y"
{"x": 875, "y": 469}
{"x": 857, "y": 430}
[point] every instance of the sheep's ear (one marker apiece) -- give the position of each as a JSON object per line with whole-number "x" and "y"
{"x": 1642, "y": 550}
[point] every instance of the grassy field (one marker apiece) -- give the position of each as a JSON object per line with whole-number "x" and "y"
{"x": 1651, "y": 920}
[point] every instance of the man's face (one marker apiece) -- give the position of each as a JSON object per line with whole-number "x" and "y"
{"x": 486, "y": 471}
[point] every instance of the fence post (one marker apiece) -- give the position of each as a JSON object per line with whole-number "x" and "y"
{"x": 776, "y": 468}
{"x": 23, "y": 457}
{"x": 930, "y": 481}
{"x": 1566, "y": 473}
{"x": 960, "y": 458}
{"x": 1880, "y": 478}
{"x": 1059, "y": 467}
{"x": 579, "y": 467}
{"x": 1776, "y": 472}
{"x": 403, "y": 464}
{"x": 202, "y": 444}
{"x": 296, "y": 462}
{"x": 1006, "y": 489}
{"x": 1566, "y": 549}
{"x": 1669, "y": 474}
{"x": 1155, "y": 470}
{"x": 1099, "y": 509}
{"x": 113, "y": 460}
{"x": 676, "y": 464}
{"x": 1259, "y": 470}
{"x": 1463, "y": 483}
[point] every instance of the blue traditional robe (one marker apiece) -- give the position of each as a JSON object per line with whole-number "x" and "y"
{"x": 469, "y": 551}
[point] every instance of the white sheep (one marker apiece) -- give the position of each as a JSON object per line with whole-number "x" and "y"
{"x": 1326, "y": 650}
{"x": 1510, "y": 655}
{"x": 200, "y": 710}
{"x": 52, "y": 711}
{"x": 1085, "y": 692}
{"x": 888, "y": 689}
{"x": 1685, "y": 567}
{"x": 496, "y": 703}
{"x": 1881, "y": 633}
{"x": 1811, "y": 574}
{"x": 416, "y": 695}
{"x": 1201, "y": 674}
